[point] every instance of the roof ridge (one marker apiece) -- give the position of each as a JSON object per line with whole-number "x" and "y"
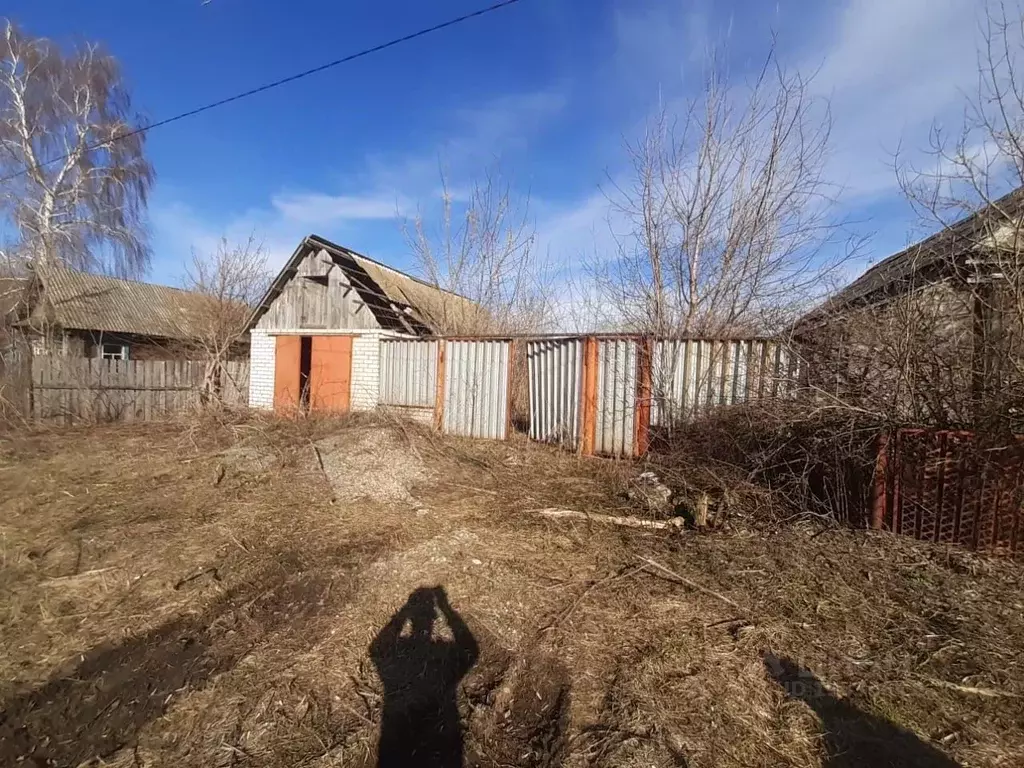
{"x": 962, "y": 228}
{"x": 98, "y": 275}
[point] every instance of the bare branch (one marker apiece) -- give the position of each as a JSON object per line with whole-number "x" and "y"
{"x": 88, "y": 210}
{"x": 729, "y": 211}
{"x": 482, "y": 248}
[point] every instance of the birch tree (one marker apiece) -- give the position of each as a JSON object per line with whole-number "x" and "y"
{"x": 75, "y": 176}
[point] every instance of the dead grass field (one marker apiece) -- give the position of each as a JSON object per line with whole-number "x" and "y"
{"x": 225, "y": 595}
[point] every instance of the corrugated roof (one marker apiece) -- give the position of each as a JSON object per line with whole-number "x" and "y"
{"x": 83, "y": 301}
{"x": 940, "y": 253}
{"x": 399, "y": 301}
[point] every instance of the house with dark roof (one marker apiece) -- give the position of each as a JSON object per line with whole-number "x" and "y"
{"x": 315, "y": 335}
{"x": 957, "y": 256}
{"x": 934, "y": 328}
{"x": 65, "y": 311}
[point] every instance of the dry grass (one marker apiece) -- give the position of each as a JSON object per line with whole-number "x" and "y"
{"x": 201, "y": 597}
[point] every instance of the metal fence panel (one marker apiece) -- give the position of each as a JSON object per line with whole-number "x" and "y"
{"x": 408, "y": 372}
{"x": 555, "y": 369}
{"x": 691, "y": 377}
{"x": 951, "y": 488}
{"x": 616, "y": 396}
{"x": 476, "y": 388}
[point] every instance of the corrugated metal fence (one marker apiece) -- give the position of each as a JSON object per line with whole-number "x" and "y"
{"x": 471, "y": 395}
{"x": 605, "y": 394}
{"x": 408, "y": 373}
{"x": 596, "y": 394}
{"x": 617, "y": 397}
{"x": 476, "y": 388}
{"x": 949, "y": 487}
{"x": 555, "y": 367}
{"x": 691, "y": 377}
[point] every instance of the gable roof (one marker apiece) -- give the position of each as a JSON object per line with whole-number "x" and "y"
{"x": 398, "y": 300}
{"x": 83, "y": 301}
{"x": 933, "y": 258}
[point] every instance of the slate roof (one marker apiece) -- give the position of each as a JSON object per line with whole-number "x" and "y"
{"x": 934, "y": 257}
{"x": 398, "y": 301}
{"x": 82, "y": 301}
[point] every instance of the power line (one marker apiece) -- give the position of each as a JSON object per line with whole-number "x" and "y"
{"x": 278, "y": 83}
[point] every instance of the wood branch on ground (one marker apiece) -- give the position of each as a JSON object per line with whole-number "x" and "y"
{"x": 691, "y": 583}
{"x": 674, "y": 523}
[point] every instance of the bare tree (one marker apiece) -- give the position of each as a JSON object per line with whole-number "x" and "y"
{"x": 226, "y": 285}
{"x": 76, "y": 180}
{"x": 483, "y": 249}
{"x": 727, "y": 212}
{"x": 976, "y": 172}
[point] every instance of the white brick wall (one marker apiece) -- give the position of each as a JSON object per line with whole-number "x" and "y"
{"x": 261, "y": 371}
{"x": 365, "y": 372}
{"x": 365, "y": 368}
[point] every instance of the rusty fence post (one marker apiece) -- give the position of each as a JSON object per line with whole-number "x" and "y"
{"x": 642, "y": 418}
{"x": 509, "y": 389}
{"x": 588, "y": 397}
{"x": 881, "y": 487}
{"x": 440, "y": 387}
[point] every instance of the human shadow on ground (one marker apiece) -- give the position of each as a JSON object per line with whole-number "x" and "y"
{"x": 854, "y": 738}
{"x": 420, "y": 672}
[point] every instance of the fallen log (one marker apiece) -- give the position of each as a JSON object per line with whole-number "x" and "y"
{"x": 674, "y": 523}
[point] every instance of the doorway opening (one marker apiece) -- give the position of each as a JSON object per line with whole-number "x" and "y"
{"x": 305, "y": 365}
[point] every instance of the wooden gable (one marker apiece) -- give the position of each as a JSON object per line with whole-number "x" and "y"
{"x": 318, "y": 296}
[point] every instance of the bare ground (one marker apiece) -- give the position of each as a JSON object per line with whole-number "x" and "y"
{"x": 248, "y": 594}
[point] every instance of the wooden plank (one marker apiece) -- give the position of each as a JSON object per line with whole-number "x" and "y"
{"x": 172, "y": 390}
{"x": 149, "y": 373}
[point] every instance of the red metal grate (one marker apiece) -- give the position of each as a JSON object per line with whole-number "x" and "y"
{"x": 950, "y": 487}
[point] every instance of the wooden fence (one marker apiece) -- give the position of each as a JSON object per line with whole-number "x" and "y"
{"x": 68, "y": 390}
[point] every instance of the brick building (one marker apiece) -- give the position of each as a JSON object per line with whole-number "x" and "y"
{"x": 315, "y": 335}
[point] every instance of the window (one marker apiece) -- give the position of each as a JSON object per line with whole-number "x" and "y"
{"x": 114, "y": 351}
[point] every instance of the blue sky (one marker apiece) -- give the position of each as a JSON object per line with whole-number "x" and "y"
{"x": 547, "y": 88}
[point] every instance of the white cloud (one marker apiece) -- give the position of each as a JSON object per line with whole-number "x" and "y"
{"x": 582, "y": 230}
{"x": 320, "y": 208}
{"x": 890, "y": 69}
{"x": 179, "y": 228}
{"x": 391, "y": 185}
{"x": 505, "y": 122}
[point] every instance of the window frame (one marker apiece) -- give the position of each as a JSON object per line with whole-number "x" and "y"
{"x": 123, "y": 354}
